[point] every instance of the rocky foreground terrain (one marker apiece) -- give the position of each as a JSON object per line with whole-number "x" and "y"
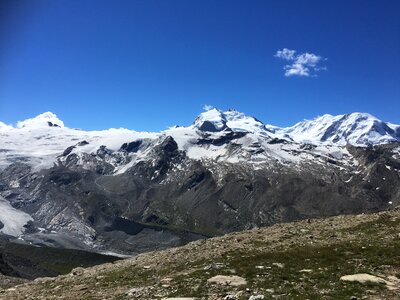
{"x": 343, "y": 257}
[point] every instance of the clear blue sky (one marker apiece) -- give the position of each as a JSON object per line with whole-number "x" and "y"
{"x": 147, "y": 64}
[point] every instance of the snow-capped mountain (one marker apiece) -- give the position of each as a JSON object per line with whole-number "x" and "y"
{"x": 360, "y": 129}
{"x": 128, "y": 191}
{"x": 215, "y": 120}
{"x": 42, "y": 139}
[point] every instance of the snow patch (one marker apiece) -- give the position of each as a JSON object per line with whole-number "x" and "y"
{"x": 13, "y": 219}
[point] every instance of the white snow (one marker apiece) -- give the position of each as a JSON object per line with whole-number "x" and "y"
{"x": 4, "y": 127}
{"x": 34, "y": 142}
{"x": 214, "y": 116}
{"x": 238, "y": 121}
{"x": 41, "y": 121}
{"x": 356, "y": 129}
{"x": 13, "y": 219}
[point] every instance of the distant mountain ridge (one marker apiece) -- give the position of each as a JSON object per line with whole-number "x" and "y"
{"x": 358, "y": 129}
{"x": 125, "y": 191}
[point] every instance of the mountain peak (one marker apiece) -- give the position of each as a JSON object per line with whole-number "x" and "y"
{"x": 211, "y": 120}
{"x": 354, "y": 128}
{"x": 215, "y": 120}
{"x": 47, "y": 119}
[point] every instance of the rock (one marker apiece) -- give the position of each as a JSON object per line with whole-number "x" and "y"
{"x": 131, "y": 147}
{"x": 83, "y": 143}
{"x": 43, "y": 279}
{"x": 260, "y": 267}
{"x": 279, "y": 265}
{"x": 68, "y": 150}
{"x": 103, "y": 151}
{"x": 364, "y": 278}
{"x": 179, "y": 298}
{"x": 134, "y": 291}
{"x": 305, "y": 271}
{"x": 215, "y": 266}
{"x": 209, "y": 126}
{"x": 77, "y": 271}
{"x": 228, "y": 280}
{"x": 256, "y": 297}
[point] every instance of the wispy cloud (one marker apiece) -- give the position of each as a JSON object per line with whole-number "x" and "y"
{"x": 303, "y": 64}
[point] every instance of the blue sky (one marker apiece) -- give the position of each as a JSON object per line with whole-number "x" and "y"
{"x": 146, "y": 65}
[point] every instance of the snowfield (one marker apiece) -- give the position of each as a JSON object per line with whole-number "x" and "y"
{"x": 12, "y": 219}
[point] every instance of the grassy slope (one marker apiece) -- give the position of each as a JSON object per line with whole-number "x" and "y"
{"x": 330, "y": 248}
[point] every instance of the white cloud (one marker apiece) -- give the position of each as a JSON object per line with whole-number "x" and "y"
{"x": 207, "y": 107}
{"x": 285, "y": 53}
{"x": 303, "y": 64}
{"x": 296, "y": 69}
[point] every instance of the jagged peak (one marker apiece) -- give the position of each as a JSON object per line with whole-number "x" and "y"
{"x": 46, "y": 119}
{"x": 214, "y": 120}
{"x": 211, "y": 120}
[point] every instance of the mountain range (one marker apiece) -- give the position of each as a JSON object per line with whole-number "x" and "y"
{"x": 123, "y": 192}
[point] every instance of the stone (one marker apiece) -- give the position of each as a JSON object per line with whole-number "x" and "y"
{"x": 228, "y": 280}
{"x": 305, "y": 271}
{"x": 364, "y": 278}
{"x": 77, "y": 271}
{"x": 135, "y": 290}
{"x": 260, "y": 267}
{"x": 179, "y": 298}
{"x": 256, "y": 297}
{"x": 279, "y": 265}
{"x": 215, "y": 266}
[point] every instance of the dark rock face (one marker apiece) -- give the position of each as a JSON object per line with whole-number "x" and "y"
{"x": 168, "y": 147}
{"x": 209, "y": 126}
{"x": 165, "y": 155}
{"x": 51, "y": 124}
{"x": 83, "y": 143}
{"x": 131, "y": 147}
{"x": 103, "y": 151}
{"x": 277, "y": 141}
{"x": 68, "y": 151}
{"x": 225, "y": 139}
